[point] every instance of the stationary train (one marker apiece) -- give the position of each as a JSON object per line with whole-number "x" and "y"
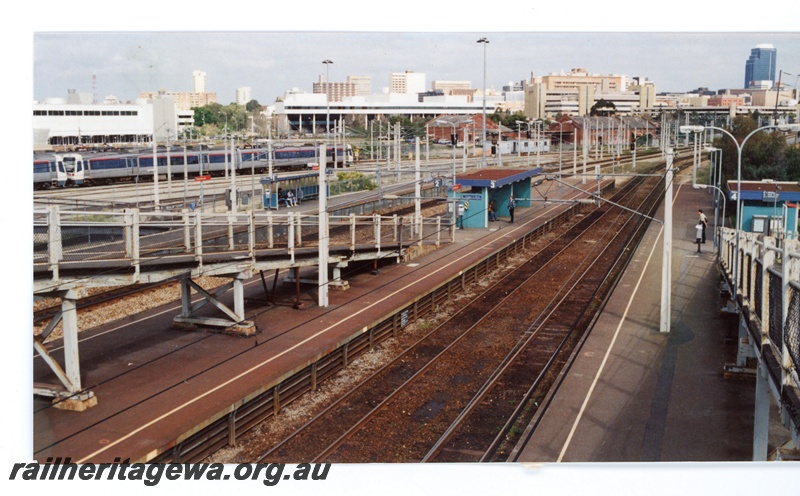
{"x": 65, "y": 169}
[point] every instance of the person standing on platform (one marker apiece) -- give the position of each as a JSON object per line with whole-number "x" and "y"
{"x": 704, "y": 221}
{"x": 699, "y": 237}
{"x": 511, "y": 206}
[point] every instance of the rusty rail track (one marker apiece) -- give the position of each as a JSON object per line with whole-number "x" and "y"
{"x": 530, "y": 371}
{"x": 99, "y": 299}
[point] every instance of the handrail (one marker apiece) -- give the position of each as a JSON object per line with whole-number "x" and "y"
{"x": 133, "y": 237}
{"x": 776, "y": 260}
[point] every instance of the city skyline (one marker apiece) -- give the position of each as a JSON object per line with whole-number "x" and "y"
{"x": 271, "y": 63}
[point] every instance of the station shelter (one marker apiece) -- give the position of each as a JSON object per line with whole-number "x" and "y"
{"x": 304, "y": 186}
{"x": 474, "y": 191}
{"x": 768, "y": 207}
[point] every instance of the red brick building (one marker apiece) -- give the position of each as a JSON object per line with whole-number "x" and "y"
{"x": 468, "y": 128}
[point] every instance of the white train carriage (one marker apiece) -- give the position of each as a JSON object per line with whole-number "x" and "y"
{"x": 58, "y": 170}
{"x": 44, "y": 173}
{"x": 74, "y": 166}
{"x": 106, "y": 169}
{"x": 66, "y": 169}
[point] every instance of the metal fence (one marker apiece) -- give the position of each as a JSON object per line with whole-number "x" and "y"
{"x": 791, "y": 333}
{"x": 135, "y": 237}
{"x": 249, "y": 196}
{"x": 769, "y": 285}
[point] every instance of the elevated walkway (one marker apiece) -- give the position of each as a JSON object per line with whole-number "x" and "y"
{"x": 77, "y": 250}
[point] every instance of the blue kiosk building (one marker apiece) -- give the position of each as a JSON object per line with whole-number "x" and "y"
{"x": 476, "y": 189}
{"x": 768, "y": 207}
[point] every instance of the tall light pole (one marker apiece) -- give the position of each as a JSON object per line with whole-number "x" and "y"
{"x": 739, "y": 147}
{"x": 455, "y": 137}
{"x": 538, "y": 145}
{"x": 717, "y": 168}
{"x": 714, "y": 159}
{"x": 527, "y": 123}
{"x": 485, "y": 42}
{"x": 455, "y": 204}
{"x": 324, "y": 236}
{"x": 560, "y": 142}
{"x": 711, "y": 151}
{"x": 327, "y": 63}
{"x": 666, "y": 264}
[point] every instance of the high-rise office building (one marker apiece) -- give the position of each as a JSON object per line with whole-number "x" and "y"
{"x": 408, "y": 82}
{"x": 243, "y": 95}
{"x": 760, "y": 66}
{"x": 199, "y": 79}
{"x": 185, "y": 100}
{"x": 363, "y": 84}
{"x": 336, "y": 91}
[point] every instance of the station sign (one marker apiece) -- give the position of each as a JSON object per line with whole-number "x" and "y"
{"x": 202, "y": 178}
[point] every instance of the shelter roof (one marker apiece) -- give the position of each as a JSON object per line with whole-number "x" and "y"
{"x": 766, "y": 190}
{"x": 496, "y": 177}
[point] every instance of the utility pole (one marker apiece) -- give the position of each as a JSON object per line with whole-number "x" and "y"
{"x": 666, "y": 267}
{"x": 324, "y": 240}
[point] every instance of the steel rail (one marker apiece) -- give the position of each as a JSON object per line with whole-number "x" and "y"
{"x": 342, "y": 438}
{"x": 610, "y": 273}
{"x": 531, "y": 335}
{"x": 540, "y": 408}
{"x": 411, "y": 348}
{"x": 378, "y": 408}
{"x": 100, "y": 298}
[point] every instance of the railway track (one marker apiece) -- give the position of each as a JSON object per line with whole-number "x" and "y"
{"x": 456, "y": 394}
{"x": 530, "y": 369}
{"x": 435, "y": 404}
{"x": 99, "y": 299}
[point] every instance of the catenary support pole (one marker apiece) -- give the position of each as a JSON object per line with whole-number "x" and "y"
{"x": 666, "y": 268}
{"x": 323, "y": 229}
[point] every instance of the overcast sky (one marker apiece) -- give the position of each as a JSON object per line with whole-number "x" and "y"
{"x": 276, "y": 49}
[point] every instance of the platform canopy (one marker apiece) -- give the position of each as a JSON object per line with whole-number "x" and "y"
{"x": 766, "y": 190}
{"x": 496, "y": 178}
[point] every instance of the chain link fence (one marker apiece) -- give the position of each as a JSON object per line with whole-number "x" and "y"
{"x": 758, "y": 290}
{"x": 791, "y": 332}
{"x": 775, "y": 302}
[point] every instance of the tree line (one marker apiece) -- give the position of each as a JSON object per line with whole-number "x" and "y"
{"x": 216, "y": 118}
{"x": 768, "y": 154}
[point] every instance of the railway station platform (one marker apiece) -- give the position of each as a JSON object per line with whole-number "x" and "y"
{"x": 635, "y": 394}
{"x": 163, "y": 393}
